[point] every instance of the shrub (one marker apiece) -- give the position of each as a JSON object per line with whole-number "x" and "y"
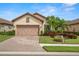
{"x": 45, "y": 34}
{"x": 58, "y": 38}
{"x": 70, "y": 36}
{"x": 52, "y": 34}
{"x": 76, "y": 33}
{"x": 8, "y": 33}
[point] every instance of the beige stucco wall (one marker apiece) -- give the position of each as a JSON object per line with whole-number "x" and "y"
{"x": 42, "y": 19}
{"x": 32, "y": 21}
{"x": 74, "y": 27}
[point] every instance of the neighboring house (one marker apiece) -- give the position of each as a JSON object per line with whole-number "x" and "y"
{"x": 73, "y": 25}
{"x": 29, "y": 24}
{"x": 5, "y": 25}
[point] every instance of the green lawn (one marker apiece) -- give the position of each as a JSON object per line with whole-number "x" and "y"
{"x": 5, "y": 37}
{"x": 49, "y": 40}
{"x": 72, "y": 41}
{"x": 46, "y": 39}
{"x": 61, "y": 48}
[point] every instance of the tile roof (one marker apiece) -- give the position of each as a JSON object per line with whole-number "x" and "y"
{"x": 3, "y": 21}
{"x": 33, "y": 15}
{"x": 76, "y": 21}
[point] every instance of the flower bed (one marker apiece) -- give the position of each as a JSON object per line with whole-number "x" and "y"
{"x": 65, "y": 35}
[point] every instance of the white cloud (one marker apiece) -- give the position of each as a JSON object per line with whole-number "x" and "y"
{"x": 69, "y": 9}
{"x": 48, "y": 10}
{"x": 69, "y": 4}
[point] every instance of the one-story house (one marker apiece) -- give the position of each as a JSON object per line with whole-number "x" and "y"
{"x": 5, "y": 25}
{"x": 34, "y": 24}
{"x": 29, "y": 24}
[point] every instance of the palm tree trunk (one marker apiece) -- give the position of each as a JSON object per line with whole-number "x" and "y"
{"x": 51, "y": 28}
{"x": 62, "y": 38}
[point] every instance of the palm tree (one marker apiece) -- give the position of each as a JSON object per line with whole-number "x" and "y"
{"x": 62, "y": 26}
{"x": 52, "y": 23}
{"x": 56, "y": 24}
{"x": 49, "y": 21}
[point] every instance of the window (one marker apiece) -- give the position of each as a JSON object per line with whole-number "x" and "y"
{"x": 27, "y": 19}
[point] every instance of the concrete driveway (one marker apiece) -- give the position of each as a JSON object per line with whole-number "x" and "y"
{"x": 21, "y": 44}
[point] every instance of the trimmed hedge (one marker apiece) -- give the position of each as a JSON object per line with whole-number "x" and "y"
{"x": 8, "y": 33}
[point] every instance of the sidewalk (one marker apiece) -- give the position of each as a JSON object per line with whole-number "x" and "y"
{"x": 59, "y": 45}
{"x": 39, "y": 54}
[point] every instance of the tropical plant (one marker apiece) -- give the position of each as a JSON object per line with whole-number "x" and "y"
{"x": 56, "y": 24}
{"x": 52, "y": 23}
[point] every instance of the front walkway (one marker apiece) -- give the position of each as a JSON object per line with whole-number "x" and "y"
{"x": 59, "y": 45}
{"x": 20, "y": 44}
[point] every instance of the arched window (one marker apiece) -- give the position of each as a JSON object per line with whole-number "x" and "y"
{"x": 27, "y": 19}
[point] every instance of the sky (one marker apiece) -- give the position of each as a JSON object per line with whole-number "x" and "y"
{"x": 68, "y": 11}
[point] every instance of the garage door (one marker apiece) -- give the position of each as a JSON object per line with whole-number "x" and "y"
{"x": 27, "y": 30}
